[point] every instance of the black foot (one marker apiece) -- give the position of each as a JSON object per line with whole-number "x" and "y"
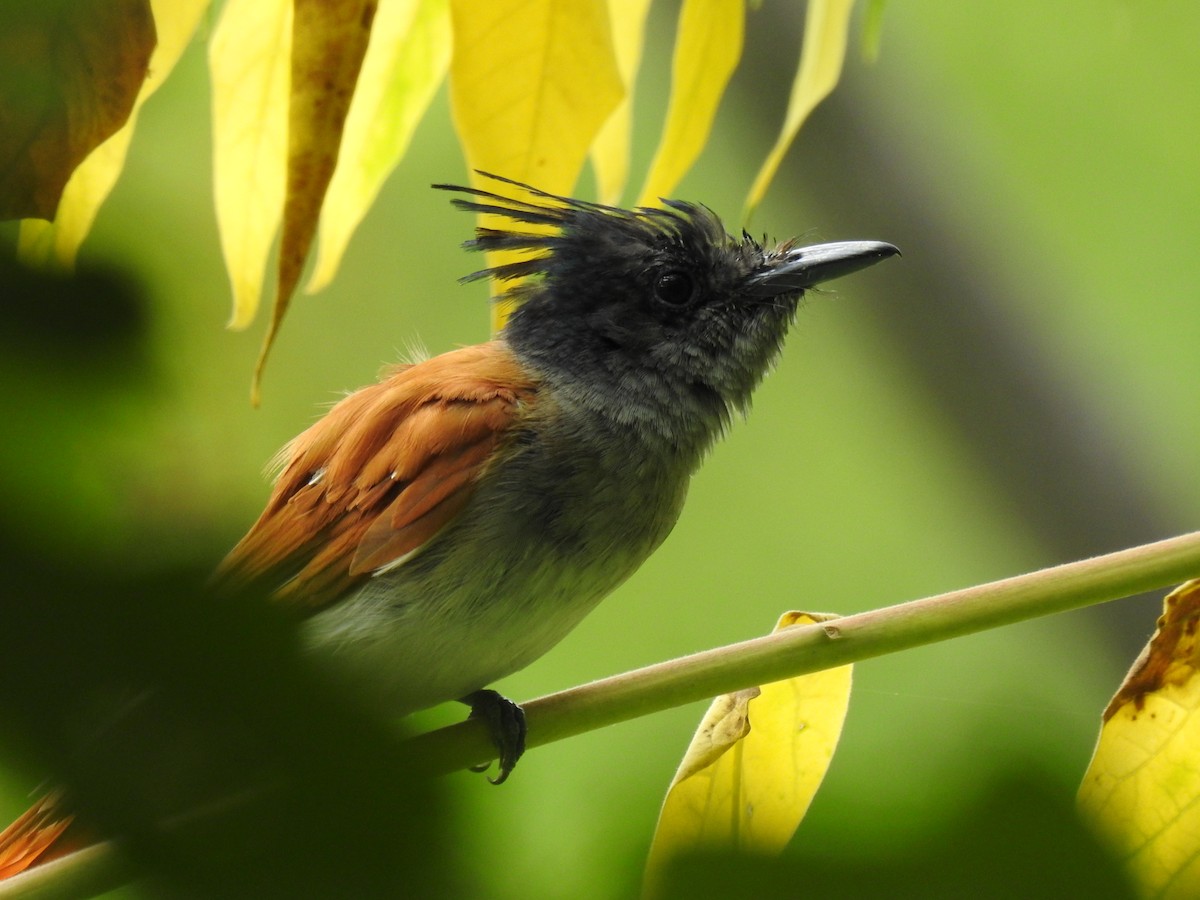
{"x": 506, "y": 724}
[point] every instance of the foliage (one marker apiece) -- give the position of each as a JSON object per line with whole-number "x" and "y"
{"x": 315, "y": 103}
{"x": 266, "y": 179}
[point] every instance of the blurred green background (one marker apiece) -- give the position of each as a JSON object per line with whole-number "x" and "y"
{"x": 1020, "y": 389}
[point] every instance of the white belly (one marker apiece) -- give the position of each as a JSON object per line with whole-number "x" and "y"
{"x": 408, "y": 656}
{"x": 448, "y": 622}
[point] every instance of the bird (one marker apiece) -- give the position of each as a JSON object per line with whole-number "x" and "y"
{"x": 446, "y": 526}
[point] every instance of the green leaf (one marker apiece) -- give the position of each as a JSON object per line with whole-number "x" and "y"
{"x": 872, "y": 30}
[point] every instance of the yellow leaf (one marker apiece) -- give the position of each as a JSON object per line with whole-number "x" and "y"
{"x": 69, "y": 76}
{"x": 825, "y": 28}
{"x": 707, "y": 49}
{"x": 754, "y": 765}
{"x": 329, "y": 41}
{"x": 610, "y": 151}
{"x": 405, "y": 62}
{"x": 1142, "y": 789}
{"x": 248, "y": 58}
{"x": 531, "y": 83}
{"x": 41, "y": 242}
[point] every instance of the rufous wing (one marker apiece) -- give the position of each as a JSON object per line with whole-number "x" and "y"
{"x": 382, "y": 473}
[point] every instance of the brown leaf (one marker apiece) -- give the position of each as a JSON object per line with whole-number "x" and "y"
{"x": 70, "y": 71}
{"x": 1142, "y": 788}
{"x": 1173, "y": 654}
{"x": 329, "y": 40}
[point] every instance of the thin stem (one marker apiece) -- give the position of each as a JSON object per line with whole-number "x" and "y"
{"x": 89, "y": 872}
{"x": 814, "y": 647}
{"x": 762, "y": 660}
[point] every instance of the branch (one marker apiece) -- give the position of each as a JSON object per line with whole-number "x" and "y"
{"x": 734, "y": 667}
{"x": 814, "y": 647}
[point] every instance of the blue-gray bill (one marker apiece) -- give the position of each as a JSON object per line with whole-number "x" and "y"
{"x": 804, "y": 267}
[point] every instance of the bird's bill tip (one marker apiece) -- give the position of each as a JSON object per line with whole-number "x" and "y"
{"x": 805, "y": 267}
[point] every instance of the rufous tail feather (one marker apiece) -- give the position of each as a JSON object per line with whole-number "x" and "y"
{"x": 37, "y": 836}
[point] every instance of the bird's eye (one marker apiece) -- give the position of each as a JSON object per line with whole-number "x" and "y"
{"x": 674, "y": 288}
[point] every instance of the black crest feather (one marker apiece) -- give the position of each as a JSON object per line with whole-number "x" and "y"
{"x": 571, "y": 219}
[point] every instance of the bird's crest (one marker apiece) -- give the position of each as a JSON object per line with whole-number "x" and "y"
{"x": 568, "y": 221}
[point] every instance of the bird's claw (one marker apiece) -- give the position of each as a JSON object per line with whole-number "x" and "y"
{"x": 505, "y": 721}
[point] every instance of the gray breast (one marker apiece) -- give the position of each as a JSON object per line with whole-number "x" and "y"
{"x": 510, "y": 577}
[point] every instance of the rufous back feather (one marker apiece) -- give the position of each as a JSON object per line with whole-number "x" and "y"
{"x": 381, "y": 474}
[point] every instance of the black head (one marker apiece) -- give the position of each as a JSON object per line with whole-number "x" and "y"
{"x": 659, "y": 311}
